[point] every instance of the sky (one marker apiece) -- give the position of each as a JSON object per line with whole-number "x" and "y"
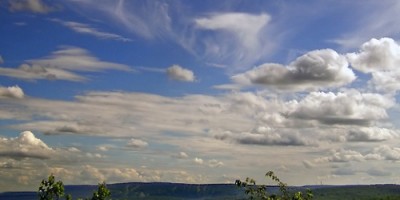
{"x": 199, "y": 91}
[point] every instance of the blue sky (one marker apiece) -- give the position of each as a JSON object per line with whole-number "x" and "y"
{"x": 199, "y": 91}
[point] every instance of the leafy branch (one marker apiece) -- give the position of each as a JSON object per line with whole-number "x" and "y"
{"x": 256, "y": 192}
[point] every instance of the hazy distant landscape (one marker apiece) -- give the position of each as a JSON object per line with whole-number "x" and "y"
{"x": 176, "y": 191}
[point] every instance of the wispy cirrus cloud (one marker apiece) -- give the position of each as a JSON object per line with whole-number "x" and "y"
{"x": 89, "y": 30}
{"x": 379, "y": 19}
{"x": 63, "y": 64}
{"x": 234, "y": 36}
{"x": 147, "y": 19}
{"x": 234, "y": 39}
{"x": 35, "y": 6}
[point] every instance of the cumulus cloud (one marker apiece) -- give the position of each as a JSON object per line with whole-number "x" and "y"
{"x": 315, "y": 70}
{"x": 198, "y": 160}
{"x": 371, "y": 134}
{"x": 385, "y": 152}
{"x": 179, "y": 73}
{"x": 342, "y": 155}
{"x": 61, "y": 65}
{"x": 376, "y": 55}
{"x": 239, "y": 117}
{"x": 103, "y": 148}
{"x": 137, "y": 143}
{"x": 349, "y": 107}
{"x": 14, "y": 92}
{"x": 381, "y": 58}
{"x": 24, "y": 146}
{"x": 181, "y": 155}
{"x": 215, "y": 163}
{"x": 88, "y": 30}
{"x": 264, "y": 136}
{"x": 35, "y": 6}
{"x": 382, "y": 152}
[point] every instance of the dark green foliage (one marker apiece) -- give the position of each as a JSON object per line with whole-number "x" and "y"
{"x": 359, "y": 192}
{"x": 175, "y": 191}
{"x": 102, "y": 192}
{"x": 51, "y": 190}
{"x": 255, "y": 191}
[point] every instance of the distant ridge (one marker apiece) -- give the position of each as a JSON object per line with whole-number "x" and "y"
{"x": 175, "y": 191}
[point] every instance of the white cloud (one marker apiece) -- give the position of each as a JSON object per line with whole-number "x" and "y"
{"x": 146, "y": 19}
{"x": 73, "y": 149}
{"x": 215, "y": 163}
{"x": 317, "y": 69}
{"x": 371, "y": 134}
{"x": 236, "y": 38}
{"x": 382, "y": 152}
{"x": 24, "y": 146}
{"x": 349, "y": 107}
{"x": 342, "y": 155}
{"x": 265, "y": 136}
{"x": 32, "y": 72}
{"x": 35, "y": 6}
{"x": 179, "y": 73}
{"x": 137, "y": 143}
{"x": 385, "y": 152}
{"x": 76, "y": 59}
{"x": 103, "y": 148}
{"x": 376, "y": 55}
{"x": 198, "y": 160}
{"x": 381, "y": 58}
{"x": 88, "y": 30}
{"x": 246, "y": 27}
{"x": 181, "y": 155}
{"x": 62, "y": 65}
{"x": 239, "y": 117}
{"x": 14, "y": 92}
{"x": 371, "y": 19}
{"x": 288, "y": 127}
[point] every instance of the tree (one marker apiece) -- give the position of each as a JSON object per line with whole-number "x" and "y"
{"x": 51, "y": 190}
{"x": 102, "y": 192}
{"x": 260, "y": 191}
